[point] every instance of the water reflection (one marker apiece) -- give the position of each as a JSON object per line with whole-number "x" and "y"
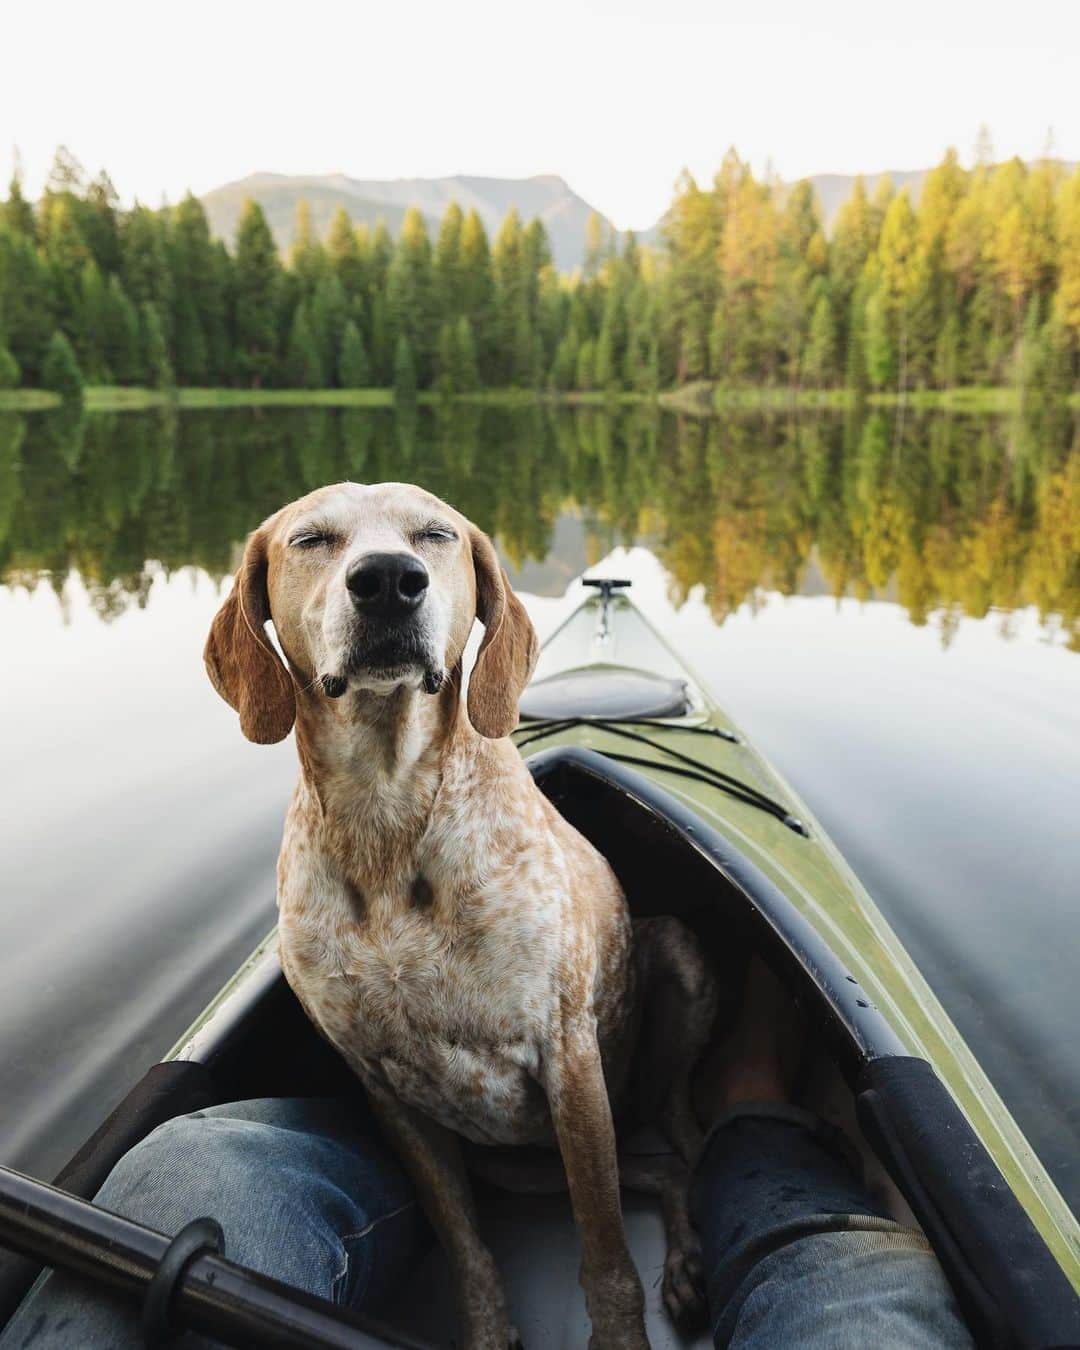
{"x": 949, "y": 515}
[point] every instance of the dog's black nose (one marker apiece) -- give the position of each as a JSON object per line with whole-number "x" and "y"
{"x": 390, "y": 585}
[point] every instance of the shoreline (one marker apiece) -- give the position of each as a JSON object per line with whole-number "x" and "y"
{"x": 701, "y": 400}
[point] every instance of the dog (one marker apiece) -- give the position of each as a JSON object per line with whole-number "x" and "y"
{"x": 468, "y": 953}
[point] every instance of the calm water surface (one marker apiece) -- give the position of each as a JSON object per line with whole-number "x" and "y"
{"x": 891, "y": 609}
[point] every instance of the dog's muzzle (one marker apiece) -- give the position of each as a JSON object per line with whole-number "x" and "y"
{"x": 387, "y": 591}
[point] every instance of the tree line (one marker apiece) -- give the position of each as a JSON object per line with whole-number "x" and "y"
{"x": 979, "y": 283}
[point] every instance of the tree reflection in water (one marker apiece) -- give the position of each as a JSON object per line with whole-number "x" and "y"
{"x": 942, "y": 512}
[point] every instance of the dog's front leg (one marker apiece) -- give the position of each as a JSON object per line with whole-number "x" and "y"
{"x": 431, "y": 1155}
{"x": 581, "y": 1112}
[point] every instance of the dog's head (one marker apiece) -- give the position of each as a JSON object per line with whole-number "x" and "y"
{"x": 369, "y": 587}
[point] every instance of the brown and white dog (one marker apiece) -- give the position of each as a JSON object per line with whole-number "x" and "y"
{"x": 467, "y": 952}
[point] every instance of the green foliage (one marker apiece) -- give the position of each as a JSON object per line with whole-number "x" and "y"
{"x": 257, "y": 275}
{"x": 410, "y": 299}
{"x": 159, "y": 371}
{"x": 878, "y": 346}
{"x": 303, "y": 360}
{"x": 818, "y": 358}
{"x": 10, "y": 374}
{"x": 353, "y": 369}
{"x": 404, "y": 372}
{"x": 60, "y": 371}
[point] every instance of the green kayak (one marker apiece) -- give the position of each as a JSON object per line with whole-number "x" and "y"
{"x": 607, "y": 640}
{"x": 631, "y": 747}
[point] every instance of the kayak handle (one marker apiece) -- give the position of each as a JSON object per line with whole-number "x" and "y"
{"x": 605, "y": 585}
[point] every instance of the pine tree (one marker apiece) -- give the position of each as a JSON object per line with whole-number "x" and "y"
{"x": 65, "y": 253}
{"x": 880, "y": 353}
{"x": 594, "y": 246}
{"x": 10, "y": 374}
{"x": 467, "y": 373}
{"x": 353, "y": 369}
{"x": 510, "y": 331}
{"x": 404, "y": 372}
{"x": 691, "y": 229}
{"x": 257, "y": 277}
{"x": 1067, "y": 298}
{"x": 947, "y": 353}
{"x": 307, "y": 258}
{"x": 564, "y": 366}
{"x": 92, "y": 320}
{"x": 120, "y": 335}
{"x": 478, "y": 292}
{"x": 382, "y": 254}
{"x": 145, "y": 268}
{"x": 60, "y": 371}
{"x": 100, "y": 224}
{"x": 156, "y": 363}
{"x": 585, "y": 374}
{"x": 199, "y": 313}
{"x": 446, "y": 265}
{"x": 328, "y": 313}
{"x": 303, "y": 363}
{"x": 446, "y": 361}
{"x": 410, "y": 301}
{"x": 17, "y": 213}
{"x": 27, "y": 303}
{"x": 603, "y": 371}
{"x": 346, "y": 257}
{"x": 817, "y": 363}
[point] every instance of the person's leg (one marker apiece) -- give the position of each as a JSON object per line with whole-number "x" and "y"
{"x": 304, "y": 1190}
{"x": 796, "y": 1251}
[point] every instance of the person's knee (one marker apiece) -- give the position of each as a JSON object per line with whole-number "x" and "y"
{"x": 188, "y": 1156}
{"x": 320, "y": 1207}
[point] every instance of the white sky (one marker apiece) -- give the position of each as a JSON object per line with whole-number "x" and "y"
{"x": 615, "y": 97}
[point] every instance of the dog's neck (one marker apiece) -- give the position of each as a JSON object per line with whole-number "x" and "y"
{"x": 374, "y": 764}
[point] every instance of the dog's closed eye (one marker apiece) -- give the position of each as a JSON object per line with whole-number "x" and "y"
{"x": 312, "y": 539}
{"x": 435, "y": 533}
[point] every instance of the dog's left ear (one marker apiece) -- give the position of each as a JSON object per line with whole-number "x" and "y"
{"x": 240, "y": 659}
{"x": 509, "y": 650}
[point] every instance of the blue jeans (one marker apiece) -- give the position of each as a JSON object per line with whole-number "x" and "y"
{"x": 304, "y": 1189}
{"x": 796, "y": 1252}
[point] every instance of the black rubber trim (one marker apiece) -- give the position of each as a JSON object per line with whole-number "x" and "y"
{"x": 196, "y": 1237}
{"x": 1011, "y": 1289}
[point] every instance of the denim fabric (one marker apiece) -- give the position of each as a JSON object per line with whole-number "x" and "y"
{"x": 797, "y": 1253}
{"x": 304, "y": 1190}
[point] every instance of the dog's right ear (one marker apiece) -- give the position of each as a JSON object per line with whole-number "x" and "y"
{"x": 242, "y": 664}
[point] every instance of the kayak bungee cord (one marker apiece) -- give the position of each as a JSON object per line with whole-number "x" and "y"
{"x": 704, "y": 773}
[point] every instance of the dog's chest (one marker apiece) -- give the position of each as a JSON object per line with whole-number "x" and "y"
{"x": 449, "y": 1014}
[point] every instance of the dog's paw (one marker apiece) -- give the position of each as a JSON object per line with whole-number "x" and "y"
{"x": 684, "y": 1286}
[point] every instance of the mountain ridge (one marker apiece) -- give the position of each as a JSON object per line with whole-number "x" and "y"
{"x": 547, "y": 197}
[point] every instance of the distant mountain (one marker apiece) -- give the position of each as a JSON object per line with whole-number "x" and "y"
{"x": 547, "y": 197}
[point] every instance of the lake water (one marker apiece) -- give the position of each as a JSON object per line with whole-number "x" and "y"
{"x": 890, "y": 607}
